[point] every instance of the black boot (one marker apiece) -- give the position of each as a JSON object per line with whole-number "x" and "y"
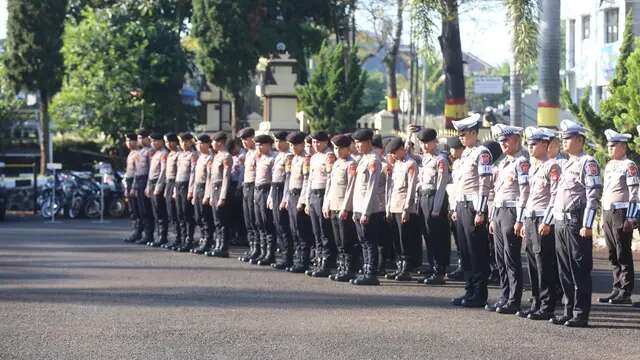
{"x": 269, "y": 255}
{"x": 323, "y": 270}
{"x": 261, "y": 247}
{"x": 347, "y": 272}
{"x": 392, "y": 275}
{"x": 246, "y": 257}
{"x": 368, "y": 278}
{"x": 614, "y": 293}
{"x": 341, "y": 270}
{"x": 457, "y": 274}
{"x": 403, "y": 274}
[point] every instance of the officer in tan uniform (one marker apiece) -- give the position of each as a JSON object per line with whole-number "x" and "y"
{"x": 220, "y": 189}
{"x": 619, "y": 206}
{"x": 433, "y": 177}
{"x": 506, "y": 217}
{"x": 248, "y": 190}
{"x": 168, "y": 171}
{"x": 368, "y": 205}
{"x": 155, "y": 189}
{"x": 131, "y": 142}
{"x": 202, "y": 210}
{"x": 473, "y": 182}
{"x": 141, "y": 163}
{"x": 337, "y": 207}
{"x": 402, "y": 206}
{"x": 455, "y": 153}
{"x": 284, "y": 253}
{"x": 537, "y": 193}
{"x": 574, "y": 209}
{"x": 264, "y": 218}
{"x": 321, "y": 227}
{"x": 186, "y": 164}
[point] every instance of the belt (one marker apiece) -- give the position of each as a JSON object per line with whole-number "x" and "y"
{"x": 277, "y": 183}
{"x": 617, "y": 206}
{"x": 427, "y": 192}
{"x": 248, "y": 184}
{"x": 468, "y": 198}
{"x": 563, "y": 216}
{"x": 217, "y": 185}
{"x": 295, "y": 191}
{"x": 201, "y": 185}
{"x": 171, "y": 180}
{"x": 317, "y": 191}
{"x": 263, "y": 187}
{"x": 153, "y": 181}
{"x": 505, "y": 204}
{"x": 530, "y": 214}
{"x": 138, "y": 177}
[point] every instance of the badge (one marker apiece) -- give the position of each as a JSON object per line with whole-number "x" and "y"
{"x": 353, "y": 167}
{"x": 372, "y": 166}
{"x": 554, "y": 174}
{"x": 441, "y": 166}
{"x": 524, "y": 167}
{"x": 632, "y": 170}
{"x": 592, "y": 169}
{"x": 485, "y": 159}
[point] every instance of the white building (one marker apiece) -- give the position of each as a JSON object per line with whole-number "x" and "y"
{"x": 594, "y": 30}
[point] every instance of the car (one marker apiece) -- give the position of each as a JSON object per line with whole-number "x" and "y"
{"x": 3, "y": 193}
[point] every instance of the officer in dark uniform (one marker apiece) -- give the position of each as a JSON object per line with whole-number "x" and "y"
{"x": 220, "y": 183}
{"x": 155, "y": 188}
{"x": 143, "y": 202}
{"x": 455, "y": 152}
{"x": 264, "y": 218}
{"x": 185, "y": 168}
{"x": 131, "y": 142}
{"x": 248, "y": 190}
{"x": 276, "y": 194}
{"x": 200, "y": 201}
{"x": 169, "y": 171}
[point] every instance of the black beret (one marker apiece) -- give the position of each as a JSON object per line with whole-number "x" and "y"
{"x": 143, "y": 132}
{"x": 220, "y": 136}
{"x": 186, "y": 136}
{"x": 376, "y": 141}
{"x": 246, "y": 133}
{"x": 341, "y": 141}
{"x": 393, "y": 145}
{"x": 308, "y": 139}
{"x": 362, "y": 135}
{"x": 156, "y": 136}
{"x": 204, "y": 138}
{"x": 427, "y": 134}
{"x": 494, "y": 149}
{"x": 454, "y": 142}
{"x": 296, "y": 137}
{"x": 263, "y": 139}
{"x": 320, "y": 135}
{"x": 281, "y": 135}
{"x": 171, "y": 137}
{"x": 132, "y": 136}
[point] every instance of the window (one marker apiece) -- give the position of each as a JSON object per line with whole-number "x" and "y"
{"x": 586, "y": 27}
{"x": 611, "y": 25}
{"x": 572, "y": 43}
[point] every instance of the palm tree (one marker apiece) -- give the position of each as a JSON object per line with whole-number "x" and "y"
{"x": 523, "y": 19}
{"x": 549, "y": 64}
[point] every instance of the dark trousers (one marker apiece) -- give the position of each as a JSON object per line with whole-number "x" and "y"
{"x": 321, "y": 227}
{"x": 145, "y": 211}
{"x": 436, "y": 230}
{"x": 299, "y": 223}
{"x": 248, "y": 212}
{"x": 475, "y": 251}
{"x": 387, "y": 243}
{"x": 619, "y": 244}
{"x": 184, "y": 212}
{"x": 237, "y": 231}
{"x": 132, "y": 205}
{"x": 222, "y": 222}
{"x": 170, "y": 205}
{"x": 508, "y": 248}
{"x": 159, "y": 207}
{"x": 264, "y": 218}
{"x": 203, "y": 214}
{"x": 407, "y": 237}
{"x": 369, "y": 236}
{"x": 575, "y": 261}
{"x": 344, "y": 232}
{"x": 281, "y": 224}
{"x": 542, "y": 266}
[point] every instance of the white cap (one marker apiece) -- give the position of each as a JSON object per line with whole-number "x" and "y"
{"x": 571, "y": 128}
{"x": 502, "y": 131}
{"x": 468, "y": 122}
{"x": 614, "y": 136}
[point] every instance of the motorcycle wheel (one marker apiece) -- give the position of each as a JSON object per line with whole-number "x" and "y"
{"x": 46, "y": 209}
{"x": 75, "y": 209}
{"x": 92, "y": 209}
{"x": 117, "y": 208}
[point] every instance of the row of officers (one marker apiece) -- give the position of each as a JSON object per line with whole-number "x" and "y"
{"x": 353, "y": 207}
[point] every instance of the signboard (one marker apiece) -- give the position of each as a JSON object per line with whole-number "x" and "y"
{"x": 487, "y": 85}
{"x": 405, "y": 100}
{"x": 54, "y": 166}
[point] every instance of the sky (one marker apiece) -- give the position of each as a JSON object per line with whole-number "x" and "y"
{"x": 483, "y": 32}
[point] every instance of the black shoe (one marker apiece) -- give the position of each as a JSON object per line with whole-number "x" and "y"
{"x": 220, "y": 253}
{"x": 577, "y": 323}
{"x": 280, "y": 266}
{"x": 508, "y": 309}
{"x": 434, "y": 280}
{"x": 473, "y": 303}
{"x": 143, "y": 241}
{"x": 525, "y": 313}
{"x": 342, "y": 277}
{"x": 456, "y": 275}
{"x": 322, "y": 272}
{"x": 613, "y": 294}
{"x": 367, "y": 279}
{"x": 403, "y": 276}
{"x": 425, "y": 270}
{"x": 297, "y": 269}
{"x": 185, "y": 248}
{"x": 540, "y": 315}
{"x": 132, "y": 239}
{"x": 623, "y": 298}
{"x": 560, "y": 320}
{"x": 493, "y": 307}
{"x": 458, "y": 301}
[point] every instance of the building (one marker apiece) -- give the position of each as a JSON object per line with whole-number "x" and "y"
{"x": 594, "y": 30}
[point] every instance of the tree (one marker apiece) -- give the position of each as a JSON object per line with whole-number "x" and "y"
{"x": 332, "y": 99}
{"x": 34, "y": 61}
{"x": 550, "y": 40}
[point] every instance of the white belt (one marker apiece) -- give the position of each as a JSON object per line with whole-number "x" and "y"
{"x": 618, "y": 205}
{"x": 562, "y": 216}
{"x": 468, "y": 197}
{"x": 533, "y": 213}
{"x": 505, "y": 204}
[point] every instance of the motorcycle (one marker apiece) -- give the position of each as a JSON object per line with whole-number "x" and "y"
{"x": 111, "y": 183}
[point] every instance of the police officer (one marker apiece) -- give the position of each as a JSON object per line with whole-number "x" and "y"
{"x": 168, "y": 171}
{"x": 321, "y": 227}
{"x": 455, "y": 153}
{"x": 507, "y": 215}
{"x": 401, "y": 205}
{"x": 264, "y": 219}
{"x": 619, "y": 206}
{"x": 434, "y": 204}
{"x": 279, "y": 211}
{"x": 368, "y": 205}
{"x": 143, "y": 202}
{"x": 202, "y": 210}
{"x": 155, "y": 188}
{"x": 473, "y": 182}
{"x": 185, "y": 169}
{"x": 537, "y": 193}
{"x": 337, "y": 207}
{"x": 575, "y": 208}
{"x": 220, "y": 182}
{"x": 248, "y": 187}
{"x": 131, "y": 141}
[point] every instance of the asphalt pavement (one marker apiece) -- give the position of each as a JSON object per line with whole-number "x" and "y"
{"x": 74, "y": 290}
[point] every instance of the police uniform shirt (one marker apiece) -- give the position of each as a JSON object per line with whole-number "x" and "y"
{"x": 318, "y": 170}
{"x": 171, "y": 165}
{"x": 368, "y": 197}
{"x": 335, "y": 197}
{"x": 185, "y": 165}
{"x": 295, "y": 178}
{"x": 279, "y": 171}
{"x": 130, "y": 171}
{"x": 474, "y": 179}
{"x": 155, "y": 170}
{"x": 620, "y": 186}
{"x": 220, "y": 175}
{"x": 451, "y": 187}
{"x": 250, "y": 166}
{"x": 579, "y": 188}
{"x": 539, "y": 192}
{"x": 433, "y": 176}
{"x": 200, "y": 173}
{"x": 402, "y": 184}
{"x": 263, "y": 169}
{"x": 142, "y": 161}
{"x": 509, "y": 175}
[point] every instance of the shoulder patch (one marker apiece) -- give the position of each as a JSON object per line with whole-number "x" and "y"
{"x": 372, "y": 166}
{"x": 485, "y": 158}
{"x": 632, "y": 169}
{"x": 592, "y": 168}
{"x": 442, "y": 166}
{"x": 524, "y": 166}
{"x": 554, "y": 173}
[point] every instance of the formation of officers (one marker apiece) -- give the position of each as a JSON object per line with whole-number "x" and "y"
{"x": 352, "y": 207}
